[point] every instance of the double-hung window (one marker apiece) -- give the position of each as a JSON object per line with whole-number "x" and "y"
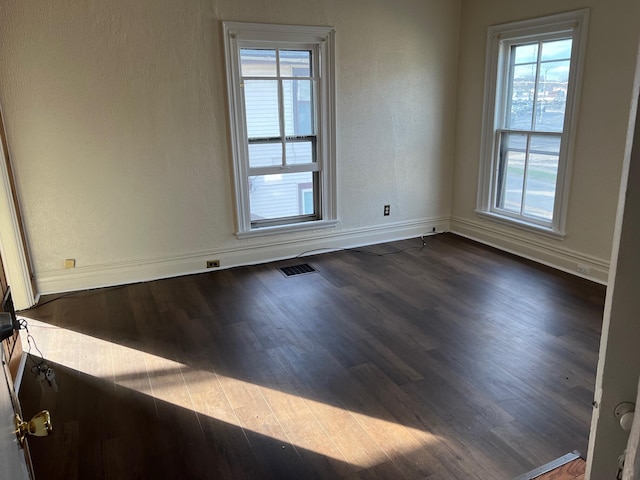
{"x": 531, "y": 97}
{"x": 281, "y": 98}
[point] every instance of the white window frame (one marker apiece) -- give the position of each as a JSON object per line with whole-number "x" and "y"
{"x": 500, "y": 38}
{"x": 322, "y": 40}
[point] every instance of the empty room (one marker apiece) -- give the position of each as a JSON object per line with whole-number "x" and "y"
{"x": 315, "y": 239}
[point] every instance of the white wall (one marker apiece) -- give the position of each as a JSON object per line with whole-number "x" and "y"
{"x": 117, "y": 124}
{"x": 116, "y": 119}
{"x": 604, "y": 112}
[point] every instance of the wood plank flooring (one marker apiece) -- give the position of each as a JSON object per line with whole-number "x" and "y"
{"x": 574, "y": 470}
{"x": 452, "y": 361}
{"x": 567, "y": 467}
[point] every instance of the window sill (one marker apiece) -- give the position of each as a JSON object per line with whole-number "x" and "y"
{"x": 291, "y": 228}
{"x": 523, "y": 225}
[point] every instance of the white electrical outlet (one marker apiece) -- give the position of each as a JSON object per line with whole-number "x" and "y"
{"x": 582, "y": 268}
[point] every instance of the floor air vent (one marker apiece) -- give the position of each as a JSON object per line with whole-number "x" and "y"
{"x": 297, "y": 270}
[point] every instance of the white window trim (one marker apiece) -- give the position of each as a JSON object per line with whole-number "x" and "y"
{"x": 576, "y": 22}
{"x": 324, "y": 38}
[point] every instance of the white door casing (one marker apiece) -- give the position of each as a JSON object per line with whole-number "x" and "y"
{"x": 619, "y": 363}
{"x": 12, "y": 247}
{"x": 13, "y": 464}
{"x": 632, "y": 461}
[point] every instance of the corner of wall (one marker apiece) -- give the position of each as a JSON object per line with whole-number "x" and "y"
{"x": 537, "y": 249}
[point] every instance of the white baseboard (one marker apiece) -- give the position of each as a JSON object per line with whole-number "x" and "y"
{"x": 539, "y": 250}
{"x": 82, "y": 278}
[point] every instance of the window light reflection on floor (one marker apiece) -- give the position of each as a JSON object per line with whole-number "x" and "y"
{"x": 293, "y": 419}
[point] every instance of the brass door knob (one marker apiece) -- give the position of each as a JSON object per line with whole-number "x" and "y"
{"x": 38, "y": 426}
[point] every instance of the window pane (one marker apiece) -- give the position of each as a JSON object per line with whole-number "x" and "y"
{"x": 525, "y": 53}
{"x": 281, "y": 195}
{"x": 552, "y": 96}
{"x": 298, "y": 107}
{"x": 265, "y": 154}
{"x": 295, "y": 63}
{"x": 257, "y": 63}
{"x": 511, "y": 167}
{"x": 520, "y": 114}
{"x": 308, "y": 205}
{"x": 542, "y": 173}
{"x": 299, "y": 152}
{"x": 261, "y": 108}
{"x": 556, "y": 50}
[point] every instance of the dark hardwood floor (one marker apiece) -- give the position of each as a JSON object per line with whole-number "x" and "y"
{"x": 452, "y": 361}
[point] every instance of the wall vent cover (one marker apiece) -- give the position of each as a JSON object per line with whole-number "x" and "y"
{"x": 301, "y": 269}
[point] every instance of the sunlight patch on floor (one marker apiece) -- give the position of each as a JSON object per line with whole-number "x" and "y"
{"x": 338, "y": 433}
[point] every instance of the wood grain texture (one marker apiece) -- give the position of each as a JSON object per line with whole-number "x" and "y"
{"x": 574, "y": 470}
{"x": 452, "y": 361}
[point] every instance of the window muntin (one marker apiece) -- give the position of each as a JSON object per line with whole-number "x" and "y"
{"x": 529, "y": 139}
{"x": 533, "y": 76}
{"x": 279, "y": 106}
{"x": 527, "y": 174}
{"x": 281, "y": 96}
{"x": 537, "y": 85}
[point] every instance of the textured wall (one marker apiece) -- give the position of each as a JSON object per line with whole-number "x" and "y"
{"x": 117, "y": 120}
{"x": 605, "y": 104}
